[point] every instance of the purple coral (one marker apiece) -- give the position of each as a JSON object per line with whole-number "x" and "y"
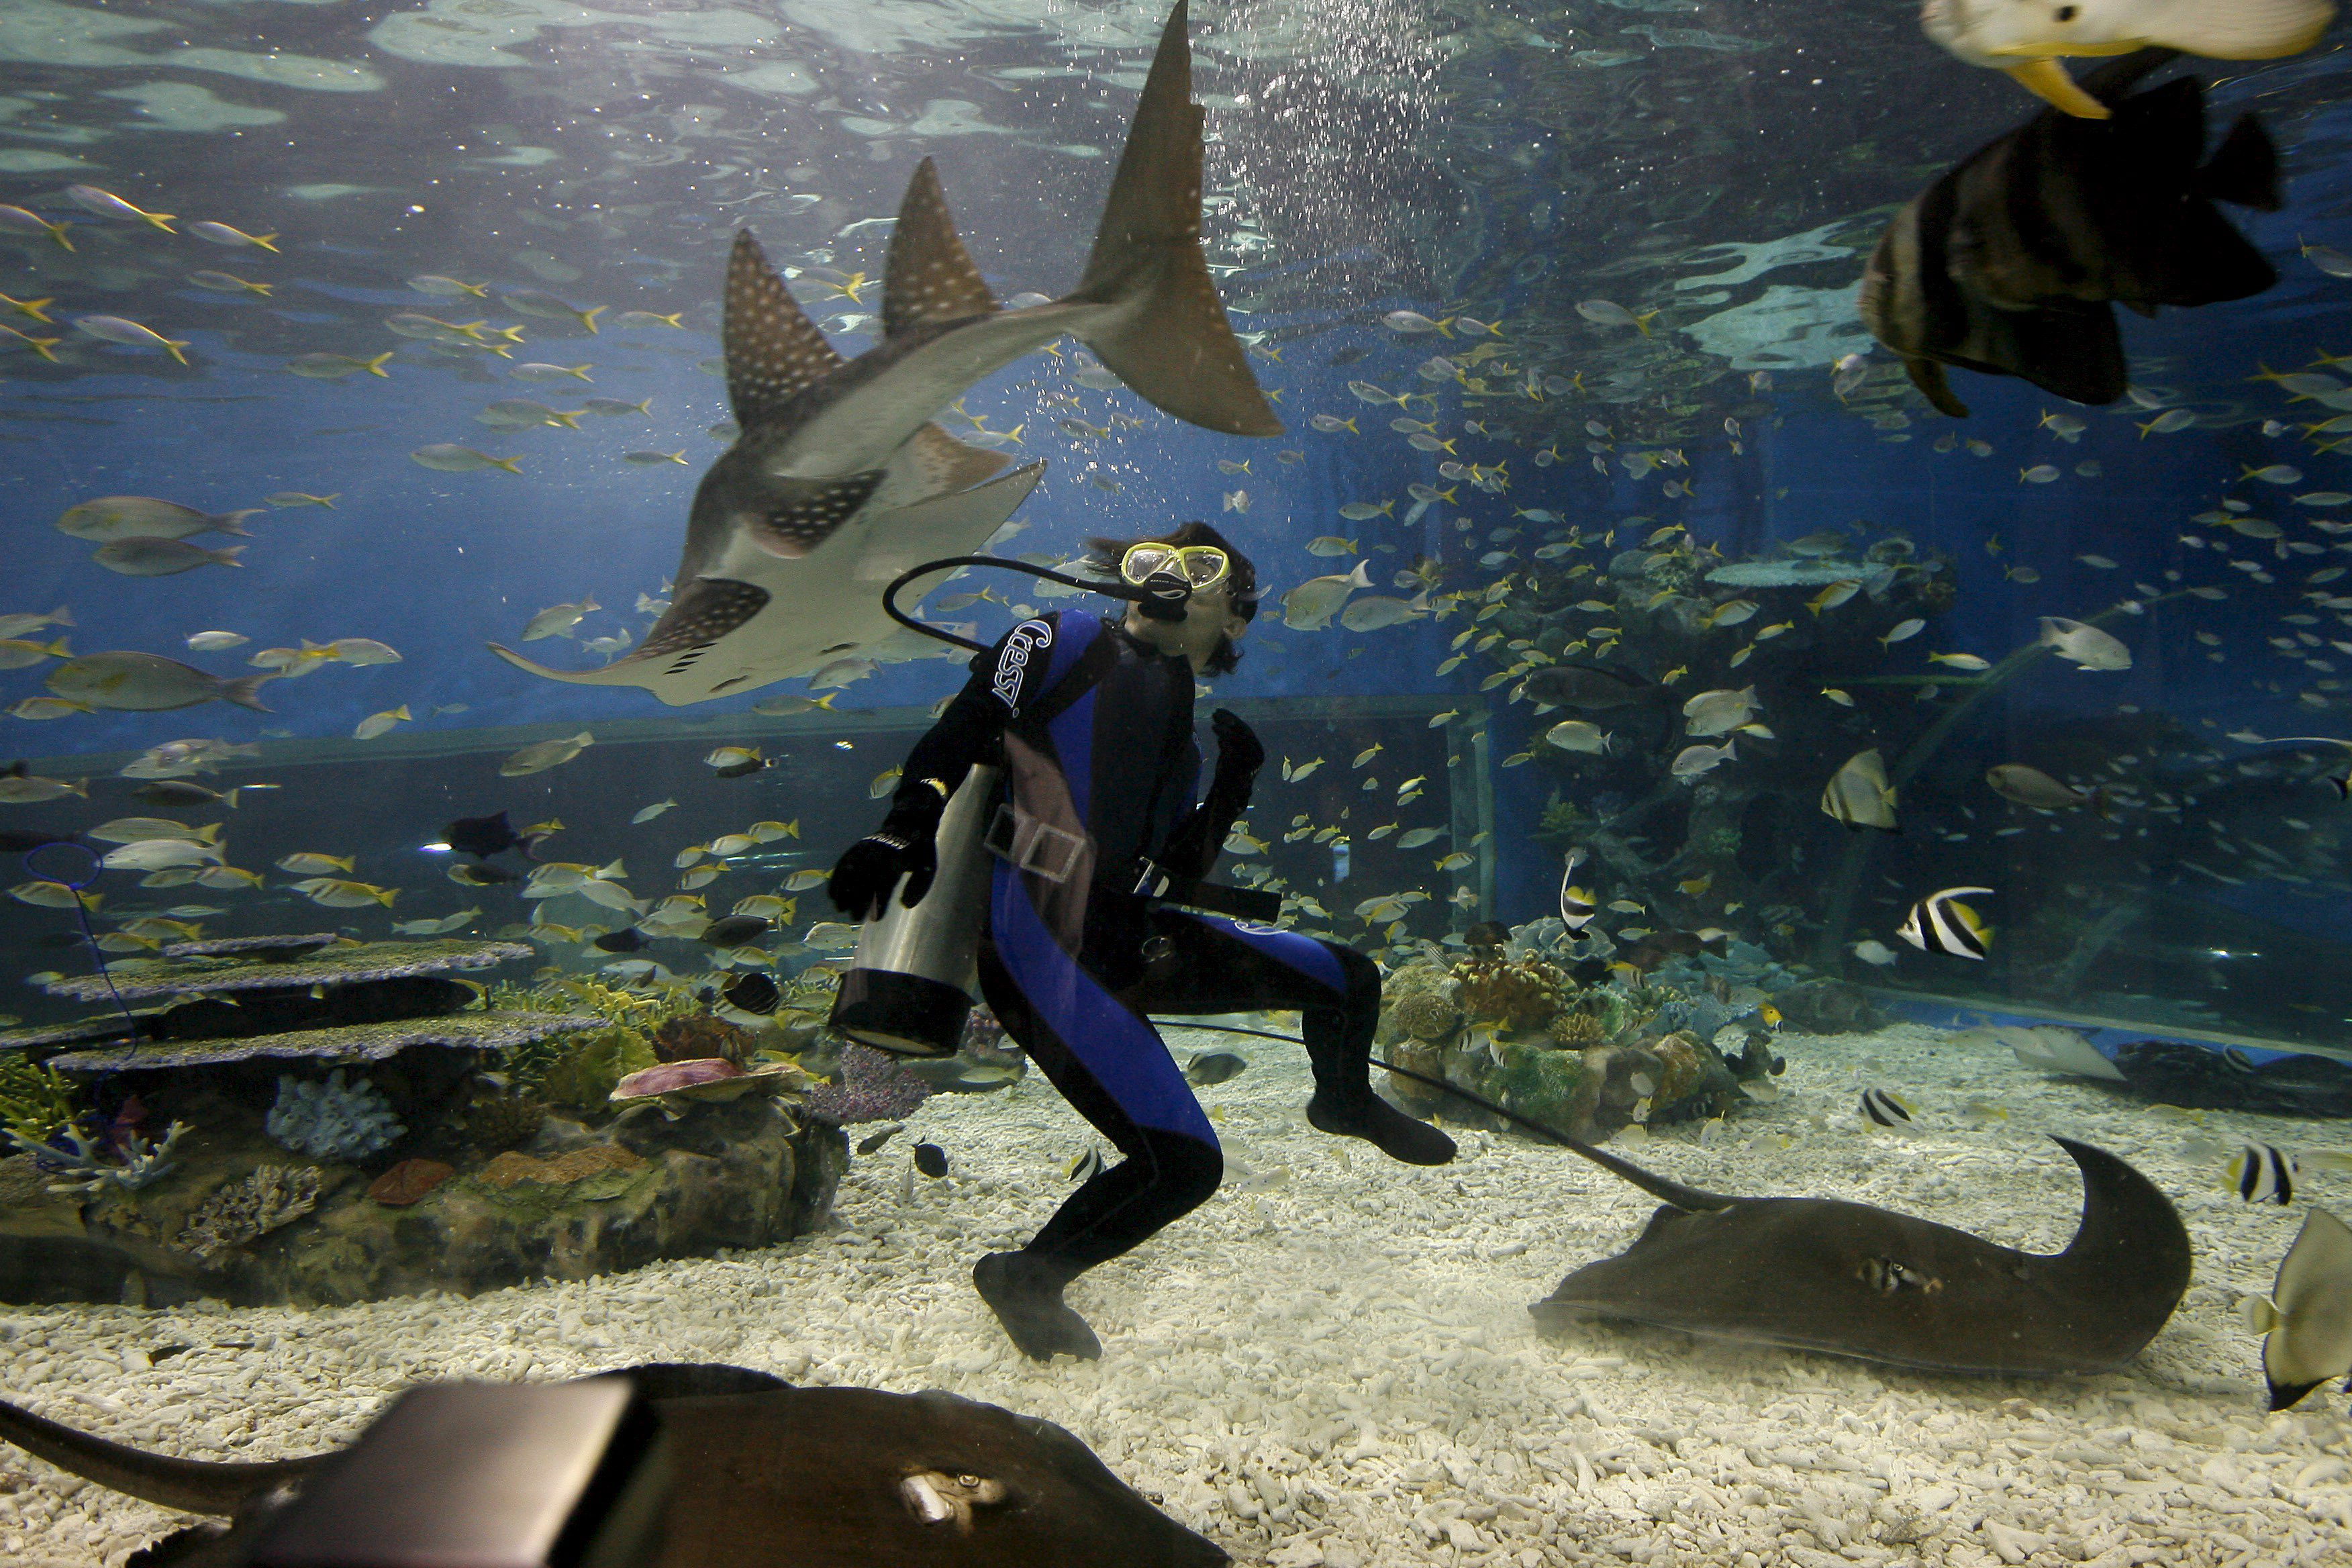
{"x": 870, "y": 1087}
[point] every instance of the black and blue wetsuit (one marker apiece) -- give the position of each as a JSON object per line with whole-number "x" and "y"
{"x": 1094, "y": 728}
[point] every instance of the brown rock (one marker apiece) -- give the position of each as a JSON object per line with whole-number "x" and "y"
{"x": 409, "y": 1181}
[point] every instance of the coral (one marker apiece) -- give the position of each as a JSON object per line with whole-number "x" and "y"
{"x": 87, "y": 1171}
{"x": 409, "y": 1181}
{"x": 582, "y": 1076}
{"x": 1574, "y": 1031}
{"x": 870, "y": 1087}
{"x": 37, "y": 1103}
{"x": 1717, "y": 842}
{"x": 1521, "y": 994}
{"x": 704, "y": 1077}
{"x": 495, "y": 1122}
{"x": 1425, "y": 1015}
{"x": 243, "y": 1211}
{"x": 345, "y": 1043}
{"x": 577, "y": 1165}
{"x": 696, "y": 1035}
{"x": 331, "y": 1121}
{"x": 332, "y": 966}
{"x": 1557, "y": 1087}
{"x": 1564, "y": 823}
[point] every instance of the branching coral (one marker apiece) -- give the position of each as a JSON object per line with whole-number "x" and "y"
{"x": 37, "y": 1103}
{"x": 86, "y": 1170}
{"x": 244, "y": 1211}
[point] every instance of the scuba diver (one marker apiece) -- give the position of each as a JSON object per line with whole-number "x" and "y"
{"x": 1097, "y": 847}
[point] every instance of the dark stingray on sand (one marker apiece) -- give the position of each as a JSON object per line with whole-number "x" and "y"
{"x": 766, "y": 1475}
{"x": 1846, "y": 1278}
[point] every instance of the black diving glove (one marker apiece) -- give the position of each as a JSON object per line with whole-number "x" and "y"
{"x": 862, "y": 878}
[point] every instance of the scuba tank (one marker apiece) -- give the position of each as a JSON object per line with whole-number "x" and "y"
{"x": 913, "y": 978}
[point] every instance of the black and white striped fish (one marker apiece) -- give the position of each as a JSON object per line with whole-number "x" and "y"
{"x": 1941, "y": 923}
{"x": 1577, "y": 906}
{"x": 2265, "y": 1173}
{"x": 1085, "y": 1167}
{"x": 1882, "y": 1107}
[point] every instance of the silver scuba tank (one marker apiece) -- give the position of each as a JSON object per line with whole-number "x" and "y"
{"x": 913, "y": 978}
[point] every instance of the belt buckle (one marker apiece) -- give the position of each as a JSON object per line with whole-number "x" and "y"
{"x": 1030, "y": 845}
{"x": 1150, "y": 881}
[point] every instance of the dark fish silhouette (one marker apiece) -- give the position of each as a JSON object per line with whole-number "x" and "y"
{"x": 2008, "y": 263}
{"x": 628, "y": 939}
{"x": 1212, "y": 1067}
{"x": 753, "y": 990}
{"x": 483, "y": 836}
{"x": 764, "y": 1475}
{"x": 1845, "y": 1279}
{"x": 931, "y": 1159}
{"x": 1584, "y": 686}
{"x": 733, "y": 930}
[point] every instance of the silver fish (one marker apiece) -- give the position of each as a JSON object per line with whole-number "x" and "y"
{"x": 148, "y": 682}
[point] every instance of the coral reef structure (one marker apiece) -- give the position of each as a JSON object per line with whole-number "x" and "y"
{"x": 244, "y": 1211}
{"x": 136, "y": 1163}
{"x": 693, "y": 1036}
{"x": 332, "y": 1120}
{"x": 870, "y": 1087}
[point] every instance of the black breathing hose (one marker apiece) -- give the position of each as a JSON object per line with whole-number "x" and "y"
{"x": 1158, "y": 602}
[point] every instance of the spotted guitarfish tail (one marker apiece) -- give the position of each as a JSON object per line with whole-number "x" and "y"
{"x": 1172, "y": 345}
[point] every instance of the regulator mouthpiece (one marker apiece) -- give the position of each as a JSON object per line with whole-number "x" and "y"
{"x": 1164, "y": 597}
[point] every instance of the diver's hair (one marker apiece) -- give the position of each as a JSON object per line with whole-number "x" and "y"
{"x": 1103, "y": 556}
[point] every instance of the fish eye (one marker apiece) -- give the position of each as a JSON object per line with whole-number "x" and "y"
{"x": 968, "y": 1483}
{"x": 2068, "y": 12}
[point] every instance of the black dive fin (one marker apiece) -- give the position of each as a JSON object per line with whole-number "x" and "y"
{"x": 2244, "y": 168}
{"x": 775, "y": 352}
{"x": 929, "y": 276}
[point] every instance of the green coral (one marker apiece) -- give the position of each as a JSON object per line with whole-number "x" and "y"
{"x": 1564, "y": 823}
{"x": 37, "y": 1103}
{"x": 589, "y": 1064}
{"x": 1549, "y": 1085}
{"x": 1719, "y": 842}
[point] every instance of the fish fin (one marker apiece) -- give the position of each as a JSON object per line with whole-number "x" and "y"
{"x": 234, "y": 522}
{"x": 773, "y": 351}
{"x": 1170, "y": 342}
{"x": 945, "y": 464}
{"x": 2048, "y": 81}
{"x": 246, "y": 694}
{"x": 2244, "y": 171}
{"x": 943, "y": 525}
{"x": 1928, "y": 377}
{"x": 929, "y": 276}
{"x": 807, "y": 513}
{"x": 700, "y": 613}
{"x": 196, "y": 1486}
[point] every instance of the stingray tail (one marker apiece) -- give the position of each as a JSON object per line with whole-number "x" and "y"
{"x": 1658, "y": 1187}
{"x": 196, "y": 1486}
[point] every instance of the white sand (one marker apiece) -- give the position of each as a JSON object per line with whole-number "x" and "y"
{"x": 1337, "y": 1367}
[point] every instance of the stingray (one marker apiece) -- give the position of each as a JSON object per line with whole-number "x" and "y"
{"x": 1846, "y": 1278}
{"x": 765, "y": 1476}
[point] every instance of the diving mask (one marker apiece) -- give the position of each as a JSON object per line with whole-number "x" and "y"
{"x": 1198, "y": 567}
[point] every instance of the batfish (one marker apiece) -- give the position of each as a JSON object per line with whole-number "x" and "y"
{"x": 766, "y": 1475}
{"x": 2007, "y": 264}
{"x": 1845, "y": 1279}
{"x": 839, "y": 480}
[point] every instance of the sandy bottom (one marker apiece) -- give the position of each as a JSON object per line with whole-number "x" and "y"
{"x": 1332, "y": 1361}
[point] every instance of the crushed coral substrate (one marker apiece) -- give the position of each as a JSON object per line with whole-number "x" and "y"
{"x": 1332, "y": 1361}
